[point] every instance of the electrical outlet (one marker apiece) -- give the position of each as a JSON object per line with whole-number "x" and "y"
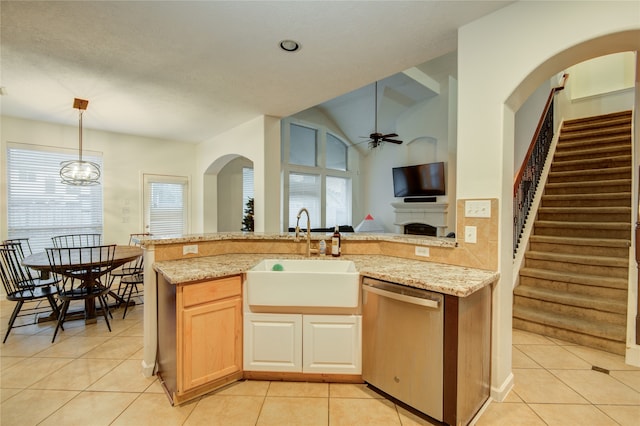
{"x": 190, "y": 249}
{"x": 470, "y": 234}
{"x": 477, "y": 208}
{"x": 422, "y": 251}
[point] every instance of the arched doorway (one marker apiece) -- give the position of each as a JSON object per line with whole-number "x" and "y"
{"x": 223, "y": 203}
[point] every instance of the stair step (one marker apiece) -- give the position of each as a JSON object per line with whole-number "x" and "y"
{"x": 583, "y": 339}
{"x": 590, "y": 164}
{"x": 577, "y": 144}
{"x": 603, "y": 330}
{"x": 583, "y": 229}
{"x": 594, "y": 133}
{"x": 585, "y": 214}
{"x": 587, "y": 200}
{"x": 579, "y": 259}
{"x": 581, "y": 246}
{"x": 576, "y": 263}
{"x": 594, "y": 124}
{"x": 576, "y": 279}
{"x": 598, "y": 118}
{"x": 594, "y": 174}
{"x": 579, "y": 306}
{"x": 592, "y": 152}
{"x": 588, "y": 187}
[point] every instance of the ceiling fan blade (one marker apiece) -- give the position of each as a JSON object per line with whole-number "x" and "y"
{"x": 390, "y": 135}
{"x": 392, "y": 140}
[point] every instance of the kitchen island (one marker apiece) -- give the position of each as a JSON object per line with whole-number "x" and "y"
{"x": 215, "y": 258}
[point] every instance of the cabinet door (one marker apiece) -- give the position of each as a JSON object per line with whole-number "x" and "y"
{"x": 273, "y": 342}
{"x": 332, "y": 344}
{"x": 211, "y": 342}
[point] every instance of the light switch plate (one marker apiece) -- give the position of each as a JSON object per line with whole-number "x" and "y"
{"x": 477, "y": 208}
{"x": 470, "y": 234}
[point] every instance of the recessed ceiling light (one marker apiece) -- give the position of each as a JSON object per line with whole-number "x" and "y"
{"x": 289, "y": 45}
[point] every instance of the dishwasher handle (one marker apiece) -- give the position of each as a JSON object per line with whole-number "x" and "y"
{"x": 402, "y": 297}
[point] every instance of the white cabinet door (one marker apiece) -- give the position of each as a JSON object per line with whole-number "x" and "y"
{"x": 272, "y": 342}
{"x": 332, "y": 344}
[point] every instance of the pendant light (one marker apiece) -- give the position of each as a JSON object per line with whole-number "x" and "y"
{"x": 80, "y": 172}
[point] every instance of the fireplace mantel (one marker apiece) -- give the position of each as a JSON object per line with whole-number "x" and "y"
{"x": 434, "y": 214}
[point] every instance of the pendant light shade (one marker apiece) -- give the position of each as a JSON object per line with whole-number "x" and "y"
{"x": 79, "y": 172}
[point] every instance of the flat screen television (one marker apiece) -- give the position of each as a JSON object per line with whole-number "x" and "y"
{"x": 419, "y": 180}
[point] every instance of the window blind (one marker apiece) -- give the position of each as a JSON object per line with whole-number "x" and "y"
{"x": 166, "y": 204}
{"x": 39, "y": 205}
{"x": 247, "y": 186}
{"x": 304, "y": 191}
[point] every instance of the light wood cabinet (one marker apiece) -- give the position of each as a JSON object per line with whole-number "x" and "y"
{"x": 200, "y": 336}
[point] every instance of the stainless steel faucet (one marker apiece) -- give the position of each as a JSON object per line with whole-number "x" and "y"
{"x": 297, "y": 238}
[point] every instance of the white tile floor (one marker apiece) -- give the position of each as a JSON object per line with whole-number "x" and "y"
{"x": 92, "y": 377}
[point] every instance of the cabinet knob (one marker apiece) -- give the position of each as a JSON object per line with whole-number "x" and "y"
{"x": 396, "y": 379}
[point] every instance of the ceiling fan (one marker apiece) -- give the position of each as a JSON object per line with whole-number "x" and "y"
{"x": 376, "y": 138}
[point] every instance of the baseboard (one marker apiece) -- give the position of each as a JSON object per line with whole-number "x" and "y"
{"x": 500, "y": 393}
{"x": 632, "y": 356}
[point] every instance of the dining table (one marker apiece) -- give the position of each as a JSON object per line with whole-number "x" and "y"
{"x": 123, "y": 254}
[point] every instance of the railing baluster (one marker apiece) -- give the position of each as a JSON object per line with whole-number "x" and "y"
{"x": 528, "y": 177}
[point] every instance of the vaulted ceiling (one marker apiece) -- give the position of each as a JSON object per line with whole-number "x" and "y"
{"x": 190, "y": 70}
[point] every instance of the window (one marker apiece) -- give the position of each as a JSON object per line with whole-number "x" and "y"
{"x": 39, "y": 205}
{"x": 166, "y": 201}
{"x": 336, "y": 153}
{"x": 303, "y": 149}
{"x": 304, "y": 191}
{"x": 316, "y": 166}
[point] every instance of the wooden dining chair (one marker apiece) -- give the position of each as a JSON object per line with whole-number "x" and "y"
{"x": 21, "y": 287}
{"x": 77, "y": 240}
{"x": 84, "y": 274}
{"x": 36, "y": 278}
{"x": 129, "y": 276}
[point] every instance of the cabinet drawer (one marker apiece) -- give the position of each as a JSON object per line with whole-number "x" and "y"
{"x": 194, "y": 294}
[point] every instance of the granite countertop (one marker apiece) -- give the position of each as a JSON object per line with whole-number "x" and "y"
{"x": 448, "y": 279}
{"x": 345, "y": 236}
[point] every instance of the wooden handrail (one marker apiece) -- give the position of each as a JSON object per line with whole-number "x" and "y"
{"x": 523, "y": 166}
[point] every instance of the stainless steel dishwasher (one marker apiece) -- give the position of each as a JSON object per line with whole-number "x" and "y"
{"x": 402, "y": 339}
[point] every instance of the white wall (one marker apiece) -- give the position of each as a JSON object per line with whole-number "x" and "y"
{"x": 125, "y": 159}
{"x": 257, "y": 140}
{"x": 527, "y": 119}
{"x": 502, "y": 58}
{"x": 425, "y": 130}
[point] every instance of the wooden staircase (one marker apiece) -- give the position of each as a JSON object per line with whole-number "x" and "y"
{"x": 574, "y": 282}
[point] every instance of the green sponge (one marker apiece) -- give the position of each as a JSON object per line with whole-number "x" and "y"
{"x": 277, "y": 267}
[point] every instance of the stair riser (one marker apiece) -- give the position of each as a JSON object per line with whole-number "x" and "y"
{"x": 571, "y": 134}
{"x": 573, "y": 155}
{"x": 584, "y": 289}
{"x": 598, "y": 270}
{"x": 570, "y": 336}
{"x": 620, "y": 252}
{"x": 577, "y": 144}
{"x": 585, "y": 202}
{"x": 589, "y": 165}
{"x": 584, "y": 233}
{"x": 586, "y": 189}
{"x": 588, "y": 177}
{"x": 597, "y": 122}
{"x": 587, "y": 314}
{"x": 586, "y": 217}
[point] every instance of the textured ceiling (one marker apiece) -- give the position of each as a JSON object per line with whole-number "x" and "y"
{"x": 190, "y": 70}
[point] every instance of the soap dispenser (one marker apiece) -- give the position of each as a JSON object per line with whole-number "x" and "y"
{"x": 335, "y": 243}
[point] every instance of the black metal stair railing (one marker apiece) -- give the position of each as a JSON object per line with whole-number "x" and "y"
{"x": 526, "y": 181}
